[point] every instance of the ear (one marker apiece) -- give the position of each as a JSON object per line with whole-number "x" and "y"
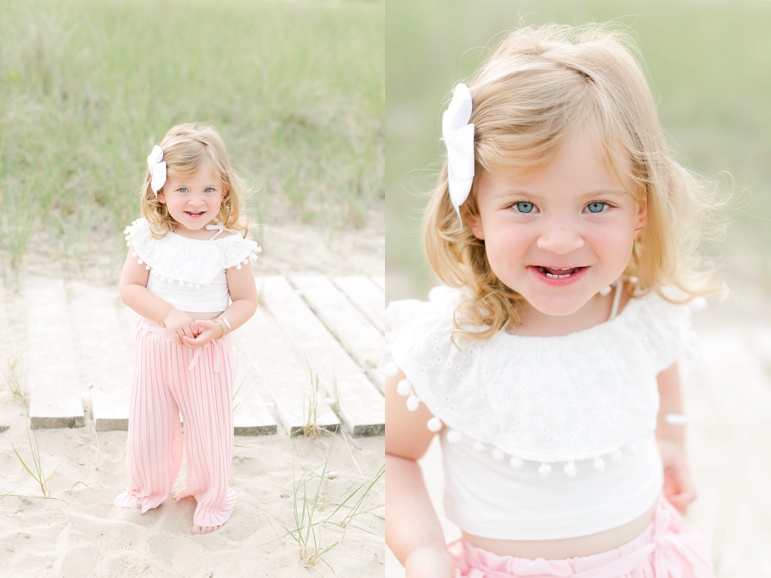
{"x": 475, "y": 222}
{"x": 161, "y": 198}
{"x": 641, "y": 219}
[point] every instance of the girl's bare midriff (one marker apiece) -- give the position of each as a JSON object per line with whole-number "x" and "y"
{"x": 566, "y": 548}
{"x": 204, "y": 315}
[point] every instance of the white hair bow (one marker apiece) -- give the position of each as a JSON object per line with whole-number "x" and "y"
{"x": 157, "y": 169}
{"x": 458, "y": 137}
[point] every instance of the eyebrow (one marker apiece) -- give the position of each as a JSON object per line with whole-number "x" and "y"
{"x": 184, "y": 184}
{"x": 589, "y": 194}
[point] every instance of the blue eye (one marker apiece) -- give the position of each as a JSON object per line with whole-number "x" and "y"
{"x": 208, "y": 190}
{"x": 182, "y": 189}
{"x": 596, "y": 207}
{"x": 524, "y": 207}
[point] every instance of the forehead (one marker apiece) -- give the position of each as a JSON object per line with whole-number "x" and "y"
{"x": 203, "y": 173}
{"x": 582, "y": 163}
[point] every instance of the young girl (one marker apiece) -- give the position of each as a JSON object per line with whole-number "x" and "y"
{"x": 188, "y": 275}
{"x": 565, "y": 232}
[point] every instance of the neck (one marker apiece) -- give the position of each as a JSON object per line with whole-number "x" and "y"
{"x": 537, "y": 324}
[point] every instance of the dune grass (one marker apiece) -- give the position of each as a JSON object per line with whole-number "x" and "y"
{"x": 86, "y": 88}
{"x": 708, "y": 62}
{"x": 320, "y": 516}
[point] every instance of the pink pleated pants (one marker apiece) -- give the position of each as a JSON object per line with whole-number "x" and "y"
{"x": 172, "y": 381}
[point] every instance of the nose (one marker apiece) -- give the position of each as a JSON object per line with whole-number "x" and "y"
{"x": 560, "y": 236}
{"x": 195, "y": 199}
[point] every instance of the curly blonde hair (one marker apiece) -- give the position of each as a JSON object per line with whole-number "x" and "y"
{"x": 187, "y": 147}
{"x": 539, "y": 87}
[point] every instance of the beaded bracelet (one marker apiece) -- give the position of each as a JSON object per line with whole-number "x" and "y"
{"x": 223, "y": 329}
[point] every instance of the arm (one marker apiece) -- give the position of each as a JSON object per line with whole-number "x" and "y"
{"x": 134, "y": 293}
{"x": 413, "y": 531}
{"x": 679, "y": 488}
{"x": 243, "y": 296}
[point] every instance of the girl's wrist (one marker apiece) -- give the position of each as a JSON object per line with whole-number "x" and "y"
{"x": 675, "y": 419}
{"x": 224, "y": 326}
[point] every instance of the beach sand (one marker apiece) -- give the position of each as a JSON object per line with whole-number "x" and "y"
{"x": 71, "y": 534}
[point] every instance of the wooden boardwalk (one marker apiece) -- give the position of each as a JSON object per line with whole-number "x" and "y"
{"x": 313, "y": 353}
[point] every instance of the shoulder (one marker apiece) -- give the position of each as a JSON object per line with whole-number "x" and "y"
{"x": 137, "y": 226}
{"x": 410, "y": 319}
{"x": 421, "y": 344}
{"x": 665, "y": 306}
{"x": 662, "y": 322}
{"x": 234, "y": 250}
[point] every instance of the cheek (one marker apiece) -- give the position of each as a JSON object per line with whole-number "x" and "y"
{"x": 615, "y": 242}
{"x": 507, "y": 246}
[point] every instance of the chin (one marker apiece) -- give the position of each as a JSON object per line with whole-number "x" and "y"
{"x": 558, "y": 307}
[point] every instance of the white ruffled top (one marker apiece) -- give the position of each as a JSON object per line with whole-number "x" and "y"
{"x": 190, "y": 273}
{"x": 574, "y": 405}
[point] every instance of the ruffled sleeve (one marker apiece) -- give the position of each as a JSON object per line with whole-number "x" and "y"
{"x": 419, "y": 341}
{"x": 190, "y": 261}
{"x": 665, "y": 328}
{"x": 412, "y": 322}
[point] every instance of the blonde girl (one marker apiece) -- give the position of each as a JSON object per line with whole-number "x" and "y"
{"x": 566, "y": 235}
{"x": 187, "y": 275}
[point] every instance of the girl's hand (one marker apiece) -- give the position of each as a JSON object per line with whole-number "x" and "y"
{"x": 679, "y": 489}
{"x": 429, "y": 562}
{"x": 207, "y": 331}
{"x": 180, "y": 325}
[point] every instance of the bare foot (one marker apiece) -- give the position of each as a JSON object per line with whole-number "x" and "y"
{"x": 206, "y": 529}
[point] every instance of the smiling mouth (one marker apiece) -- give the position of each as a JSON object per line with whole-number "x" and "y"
{"x": 555, "y": 273}
{"x": 194, "y": 214}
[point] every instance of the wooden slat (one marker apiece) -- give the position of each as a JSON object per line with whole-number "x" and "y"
{"x": 251, "y": 415}
{"x": 7, "y": 353}
{"x": 366, "y": 295}
{"x": 360, "y": 405}
{"x": 363, "y": 342}
{"x": 102, "y": 344}
{"x": 54, "y": 390}
{"x": 281, "y": 371}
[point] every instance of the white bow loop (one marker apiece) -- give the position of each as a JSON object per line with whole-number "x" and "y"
{"x": 458, "y": 137}
{"x": 157, "y": 169}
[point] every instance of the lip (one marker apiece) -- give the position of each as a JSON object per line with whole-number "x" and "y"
{"x": 558, "y": 281}
{"x": 195, "y": 215}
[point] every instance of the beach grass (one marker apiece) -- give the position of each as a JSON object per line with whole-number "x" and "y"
{"x": 322, "y": 515}
{"x": 87, "y": 88}
{"x": 709, "y": 64}
{"x": 34, "y": 464}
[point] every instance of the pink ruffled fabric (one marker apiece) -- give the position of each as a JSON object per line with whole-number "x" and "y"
{"x": 668, "y": 548}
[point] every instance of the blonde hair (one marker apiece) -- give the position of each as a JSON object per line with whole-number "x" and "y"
{"x": 539, "y": 87}
{"x": 187, "y": 147}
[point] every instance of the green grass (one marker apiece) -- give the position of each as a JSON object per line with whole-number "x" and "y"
{"x": 86, "y": 88}
{"x": 709, "y": 64}
{"x": 13, "y": 379}
{"x": 34, "y": 466}
{"x": 321, "y": 516}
